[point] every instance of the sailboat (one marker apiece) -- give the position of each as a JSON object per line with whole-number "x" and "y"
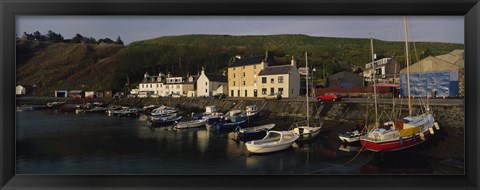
{"x": 305, "y": 130}
{"x": 405, "y": 133}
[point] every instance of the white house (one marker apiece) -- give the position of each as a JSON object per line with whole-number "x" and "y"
{"x": 210, "y": 84}
{"x": 20, "y": 90}
{"x": 282, "y": 79}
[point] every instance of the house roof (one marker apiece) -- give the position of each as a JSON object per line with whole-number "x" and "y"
{"x": 253, "y": 60}
{"x": 276, "y": 70}
{"x": 216, "y": 78}
{"x": 430, "y": 63}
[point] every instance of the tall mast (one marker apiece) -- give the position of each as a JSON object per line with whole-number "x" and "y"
{"x": 306, "y": 87}
{"x": 408, "y": 69}
{"x": 374, "y": 84}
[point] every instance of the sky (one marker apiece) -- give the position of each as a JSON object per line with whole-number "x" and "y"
{"x": 136, "y": 28}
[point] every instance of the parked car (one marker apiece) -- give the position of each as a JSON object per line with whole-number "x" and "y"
{"x": 274, "y": 96}
{"x": 329, "y": 96}
{"x": 154, "y": 96}
{"x": 176, "y": 96}
{"x": 219, "y": 96}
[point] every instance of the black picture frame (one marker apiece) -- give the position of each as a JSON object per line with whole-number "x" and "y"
{"x": 9, "y": 9}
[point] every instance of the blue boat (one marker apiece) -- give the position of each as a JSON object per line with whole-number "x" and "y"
{"x": 228, "y": 126}
{"x": 164, "y": 121}
{"x": 253, "y": 133}
{"x": 212, "y": 119}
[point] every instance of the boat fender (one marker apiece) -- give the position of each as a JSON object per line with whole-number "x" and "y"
{"x": 422, "y": 136}
{"x": 436, "y": 126}
{"x": 401, "y": 141}
{"x": 431, "y": 130}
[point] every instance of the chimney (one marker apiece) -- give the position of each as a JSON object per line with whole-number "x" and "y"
{"x": 238, "y": 57}
{"x": 203, "y": 70}
{"x": 293, "y": 61}
{"x": 146, "y": 75}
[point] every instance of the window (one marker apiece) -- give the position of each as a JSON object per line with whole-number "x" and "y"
{"x": 243, "y": 67}
{"x": 254, "y": 66}
{"x": 234, "y": 68}
{"x": 233, "y": 83}
{"x": 233, "y": 75}
{"x": 178, "y": 86}
{"x": 280, "y": 90}
{"x": 246, "y": 93}
{"x": 157, "y": 85}
{"x": 206, "y": 83}
{"x": 206, "y": 90}
{"x": 244, "y": 83}
{"x": 272, "y": 90}
{"x": 264, "y": 91}
{"x": 255, "y": 81}
{"x": 243, "y": 74}
{"x": 264, "y": 80}
{"x": 272, "y": 80}
{"x": 280, "y": 79}
{"x": 150, "y": 85}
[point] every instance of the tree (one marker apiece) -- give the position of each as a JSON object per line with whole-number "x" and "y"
{"x": 119, "y": 41}
{"x": 90, "y": 40}
{"x": 52, "y": 36}
{"x": 106, "y": 40}
{"x": 78, "y": 38}
{"x": 38, "y": 36}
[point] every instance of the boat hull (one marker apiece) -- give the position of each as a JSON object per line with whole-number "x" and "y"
{"x": 394, "y": 145}
{"x": 264, "y": 149}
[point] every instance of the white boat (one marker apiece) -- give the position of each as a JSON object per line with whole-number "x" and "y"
{"x": 55, "y": 104}
{"x": 191, "y": 124}
{"x": 163, "y": 111}
{"x": 272, "y": 142}
{"x": 126, "y": 112}
{"x": 350, "y": 136}
{"x": 304, "y": 129}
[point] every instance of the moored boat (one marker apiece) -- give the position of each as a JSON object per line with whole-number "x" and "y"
{"x": 228, "y": 126}
{"x": 272, "y": 142}
{"x": 191, "y": 124}
{"x": 164, "y": 121}
{"x": 253, "y": 133}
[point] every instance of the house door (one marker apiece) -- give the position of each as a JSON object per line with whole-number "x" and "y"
{"x": 238, "y": 93}
{"x": 231, "y": 93}
{"x": 245, "y": 93}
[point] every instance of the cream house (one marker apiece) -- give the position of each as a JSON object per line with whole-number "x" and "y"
{"x": 243, "y": 73}
{"x": 210, "y": 84}
{"x": 152, "y": 84}
{"x": 253, "y": 77}
{"x": 283, "y": 79}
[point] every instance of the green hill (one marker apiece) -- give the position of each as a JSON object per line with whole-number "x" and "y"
{"x": 100, "y": 67}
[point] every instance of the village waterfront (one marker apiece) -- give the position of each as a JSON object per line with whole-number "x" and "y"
{"x": 53, "y": 142}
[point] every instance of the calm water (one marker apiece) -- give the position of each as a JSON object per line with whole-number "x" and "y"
{"x": 66, "y": 143}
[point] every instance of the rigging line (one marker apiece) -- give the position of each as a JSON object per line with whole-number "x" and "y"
{"x": 409, "y": 21}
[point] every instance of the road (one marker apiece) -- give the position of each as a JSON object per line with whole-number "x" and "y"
{"x": 403, "y": 101}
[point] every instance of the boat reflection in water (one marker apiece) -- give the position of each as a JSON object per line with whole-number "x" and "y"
{"x": 397, "y": 163}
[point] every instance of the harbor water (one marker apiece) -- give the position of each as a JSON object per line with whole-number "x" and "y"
{"x": 51, "y": 142}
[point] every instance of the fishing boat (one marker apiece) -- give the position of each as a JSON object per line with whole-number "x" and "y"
{"x": 304, "y": 129}
{"x": 401, "y": 133}
{"x": 272, "y": 142}
{"x": 191, "y": 124}
{"x": 228, "y": 126}
{"x": 353, "y": 136}
{"x": 209, "y": 110}
{"x": 164, "y": 121}
{"x": 163, "y": 111}
{"x": 213, "y": 118}
{"x": 126, "y": 112}
{"x": 252, "y": 111}
{"x": 55, "y": 104}
{"x": 253, "y": 133}
{"x": 96, "y": 110}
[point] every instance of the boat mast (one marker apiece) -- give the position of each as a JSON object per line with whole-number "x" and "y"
{"x": 408, "y": 69}
{"x": 374, "y": 84}
{"x": 306, "y": 87}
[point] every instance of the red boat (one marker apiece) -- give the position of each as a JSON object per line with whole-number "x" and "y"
{"x": 398, "y": 135}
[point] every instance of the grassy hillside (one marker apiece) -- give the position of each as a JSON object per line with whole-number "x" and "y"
{"x": 101, "y": 67}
